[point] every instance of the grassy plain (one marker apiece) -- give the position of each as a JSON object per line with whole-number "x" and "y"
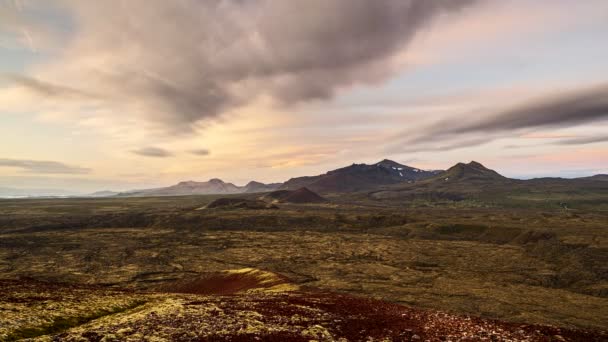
{"x": 546, "y": 266}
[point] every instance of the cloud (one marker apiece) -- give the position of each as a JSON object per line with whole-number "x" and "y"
{"x": 153, "y": 152}
{"x": 200, "y": 152}
{"x": 44, "y": 89}
{"x": 566, "y": 109}
{"x": 584, "y": 140}
{"x": 183, "y": 62}
{"x": 40, "y": 166}
{"x": 437, "y": 146}
{"x": 562, "y": 110}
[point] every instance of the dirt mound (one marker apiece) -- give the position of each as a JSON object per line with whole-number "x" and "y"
{"x": 301, "y": 195}
{"x": 238, "y": 203}
{"x": 232, "y": 282}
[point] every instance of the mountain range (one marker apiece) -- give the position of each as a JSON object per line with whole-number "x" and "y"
{"x": 210, "y": 187}
{"x": 356, "y": 177}
{"x": 473, "y": 181}
{"x": 385, "y": 179}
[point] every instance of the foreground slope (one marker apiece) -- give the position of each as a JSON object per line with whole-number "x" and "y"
{"x": 260, "y": 306}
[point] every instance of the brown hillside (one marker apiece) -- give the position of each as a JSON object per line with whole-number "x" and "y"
{"x": 301, "y": 195}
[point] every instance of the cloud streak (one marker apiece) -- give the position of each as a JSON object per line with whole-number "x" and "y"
{"x": 182, "y": 62}
{"x": 43, "y": 167}
{"x": 201, "y": 152}
{"x": 44, "y": 89}
{"x": 562, "y": 110}
{"x": 152, "y": 152}
{"x": 584, "y": 140}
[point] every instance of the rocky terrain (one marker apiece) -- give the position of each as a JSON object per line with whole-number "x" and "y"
{"x": 240, "y": 305}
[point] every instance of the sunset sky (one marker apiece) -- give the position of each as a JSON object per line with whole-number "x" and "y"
{"x": 131, "y": 94}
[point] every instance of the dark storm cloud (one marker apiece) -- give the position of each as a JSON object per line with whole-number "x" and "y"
{"x": 42, "y": 166}
{"x": 190, "y": 60}
{"x": 153, "y": 152}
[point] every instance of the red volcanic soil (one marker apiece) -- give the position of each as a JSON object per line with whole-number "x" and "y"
{"x": 348, "y": 318}
{"x": 223, "y": 303}
{"x": 362, "y": 318}
{"x": 227, "y": 283}
{"x": 356, "y": 318}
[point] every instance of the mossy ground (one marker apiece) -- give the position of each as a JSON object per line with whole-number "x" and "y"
{"x": 545, "y": 266}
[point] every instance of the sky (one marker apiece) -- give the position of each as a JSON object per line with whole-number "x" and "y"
{"x": 134, "y": 94}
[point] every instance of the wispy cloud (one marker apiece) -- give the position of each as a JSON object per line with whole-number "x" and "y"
{"x": 438, "y": 145}
{"x": 584, "y": 140}
{"x": 42, "y": 166}
{"x": 566, "y": 109}
{"x": 561, "y": 110}
{"x": 153, "y": 152}
{"x": 44, "y": 89}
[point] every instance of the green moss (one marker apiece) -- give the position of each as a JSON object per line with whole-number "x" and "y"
{"x": 61, "y": 324}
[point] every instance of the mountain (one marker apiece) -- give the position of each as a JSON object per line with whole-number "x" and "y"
{"x": 473, "y": 181}
{"x": 213, "y": 186}
{"x": 358, "y": 177}
{"x": 472, "y": 172}
{"x": 253, "y": 187}
{"x": 456, "y": 183}
{"x": 301, "y": 195}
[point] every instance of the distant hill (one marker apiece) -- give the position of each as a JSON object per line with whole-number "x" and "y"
{"x": 238, "y": 203}
{"x": 302, "y": 195}
{"x": 472, "y": 171}
{"x": 253, "y": 187}
{"x": 601, "y": 177}
{"x": 213, "y": 186}
{"x": 358, "y": 177}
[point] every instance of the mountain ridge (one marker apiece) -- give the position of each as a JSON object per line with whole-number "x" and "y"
{"x": 213, "y": 186}
{"x": 358, "y": 177}
{"x": 352, "y": 178}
